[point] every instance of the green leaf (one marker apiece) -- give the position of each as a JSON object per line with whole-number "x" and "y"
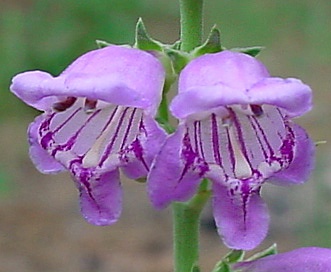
{"x": 269, "y": 251}
{"x": 252, "y": 51}
{"x": 211, "y": 45}
{"x": 143, "y": 40}
{"x": 102, "y": 44}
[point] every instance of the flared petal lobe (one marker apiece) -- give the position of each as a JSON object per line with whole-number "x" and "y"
{"x": 240, "y": 214}
{"x": 176, "y": 171}
{"x": 43, "y": 161}
{"x": 308, "y": 259}
{"x": 290, "y": 94}
{"x": 303, "y": 162}
{"x": 100, "y": 195}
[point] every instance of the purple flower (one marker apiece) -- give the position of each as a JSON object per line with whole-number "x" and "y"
{"x": 236, "y": 130}
{"x": 307, "y": 259}
{"x": 98, "y": 116}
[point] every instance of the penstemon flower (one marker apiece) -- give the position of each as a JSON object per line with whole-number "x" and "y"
{"x": 236, "y": 130}
{"x": 307, "y": 259}
{"x": 98, "y": 116}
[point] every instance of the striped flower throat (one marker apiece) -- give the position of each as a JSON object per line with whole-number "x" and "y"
{"x": 242, "y": 142}
{"x": 95, "y": 133}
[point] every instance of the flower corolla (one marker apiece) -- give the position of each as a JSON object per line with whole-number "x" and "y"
{"x": 235, "y": 128}
{"x": 98, "y": 117}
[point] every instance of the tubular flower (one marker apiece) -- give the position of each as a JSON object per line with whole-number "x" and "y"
{"x": 307, "y": 259}
{"x": 98, "y": 116}
{"x": 236, "y": 130}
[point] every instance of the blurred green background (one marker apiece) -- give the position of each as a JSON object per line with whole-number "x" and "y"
{"x": 48, "y": 35}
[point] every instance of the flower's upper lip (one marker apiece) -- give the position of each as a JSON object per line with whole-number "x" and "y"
{"x": 36, "y": 87}
{"x": 115, "y": 74}
{"x": 228, "y": 78}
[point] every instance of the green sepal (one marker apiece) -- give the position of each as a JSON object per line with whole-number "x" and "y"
{"x": 252, "y": 51}
{"x": 222, "y": 267}
{"x": 143, "y": 41}
{"x": 102, "y": 44}
{"x": 176, "y": 45}
{"x": 269, "y": 251}
{"x": 211, "y": 45}
{"x": 165, "y": 125}
{"x": 178, "y": 58}
{"x": 232, "y": 257}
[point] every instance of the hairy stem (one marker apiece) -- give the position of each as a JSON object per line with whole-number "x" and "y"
{"x": 187, "y": 229}
{"x": 191, "y": 13}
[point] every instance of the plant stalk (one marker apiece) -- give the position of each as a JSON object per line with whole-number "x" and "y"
{"x": 191, "y": 23}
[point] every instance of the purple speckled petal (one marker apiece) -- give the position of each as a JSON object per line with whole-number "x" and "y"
{"x": 115, "y": 74}
{"x": 289, "y": 94}
{"x": 39, "y": 156}
{"x": 176, "y": 171}
{"x": 240, "y": 214}
{"x": 303, "y": 162}
{"x": 100, "y": 194}
{"x": 307, "y": 259}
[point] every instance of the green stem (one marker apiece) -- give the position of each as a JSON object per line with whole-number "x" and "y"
{"x": 191, "y": 12}
{"x": 186, "y": 216}
{"x": 186, "y": 222}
